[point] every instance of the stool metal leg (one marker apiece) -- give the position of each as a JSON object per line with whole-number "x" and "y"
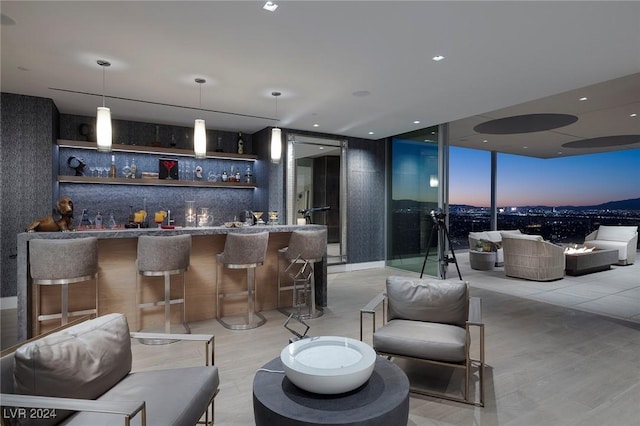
{"x": 64, "y": 293}
{"x": 254, "y": 319}
{"x": 167, "y": 303}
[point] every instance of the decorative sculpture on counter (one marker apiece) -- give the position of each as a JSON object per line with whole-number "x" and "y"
{"x": 60, "y": 220}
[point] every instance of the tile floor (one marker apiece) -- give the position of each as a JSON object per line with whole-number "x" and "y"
{"x": 614, "y": 293}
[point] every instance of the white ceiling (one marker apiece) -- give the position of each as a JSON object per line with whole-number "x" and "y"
{"x": 499, "y": 56}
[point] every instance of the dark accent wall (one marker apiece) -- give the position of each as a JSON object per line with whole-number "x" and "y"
{"x": 28, "y": 128}
{"x": 366, "y": 198}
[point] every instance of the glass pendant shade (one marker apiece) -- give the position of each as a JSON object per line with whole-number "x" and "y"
{"x": 276, "y": 144}
{"x": 200, "y": 139}
{"x": 103, "y": 128}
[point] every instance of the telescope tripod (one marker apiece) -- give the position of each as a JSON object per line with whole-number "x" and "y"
{"x": 443, "y": 259}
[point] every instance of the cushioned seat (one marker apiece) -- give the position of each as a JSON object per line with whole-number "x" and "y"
{"x": 621, "y": 238}
{"x": 190, "y": 390}
{"x": 63, "y": 262}
{"x": 440, "y": 342}
{"x": 429, "y": 321}
{"x": 241, "y": 251}
{"x": 305, "y": 247}
{"x": 86, "y": 368}
{"x": 532, "y": 258}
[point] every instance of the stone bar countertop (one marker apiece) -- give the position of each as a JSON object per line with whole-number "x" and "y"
{"x": 24, "y": 290}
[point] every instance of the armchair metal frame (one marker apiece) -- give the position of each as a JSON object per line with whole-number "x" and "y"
{"x": 127, "y": 409}
{"x": 474, "y": 320}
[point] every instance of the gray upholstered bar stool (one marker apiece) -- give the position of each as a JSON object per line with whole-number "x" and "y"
{"x": 63, "y": 262}
{"x": 242, "y": 251}
{"x": 310, "y": 246}
{"x": 163, "y": 256}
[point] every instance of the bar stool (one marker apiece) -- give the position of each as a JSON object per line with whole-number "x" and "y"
{"x": 242, "y": 251}
{"x": 304, "y": 246}
{"x": 163, "y": 256}
{"x": 63, "y": 262}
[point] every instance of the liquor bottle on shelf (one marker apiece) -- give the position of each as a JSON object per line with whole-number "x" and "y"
{"x": 126, "y": 170}
{"x": 133, "y": 168}
{"x": 248, "y": 175}
{"x": 97, "y": 221}
{"x": 111, "y": 222}
{"x": 85, "y": 223}
{"x": 112, "y": 169}
{"x": 240, "y": 143}
{"x": 237, "y": 175}
{"x": 225, "y": 177}
{"x": 219, "y": 145}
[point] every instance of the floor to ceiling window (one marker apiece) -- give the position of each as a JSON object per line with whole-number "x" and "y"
{"x": 414, "y": 194}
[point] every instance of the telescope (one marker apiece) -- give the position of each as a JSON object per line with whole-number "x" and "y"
{"x": 306, "y": 213}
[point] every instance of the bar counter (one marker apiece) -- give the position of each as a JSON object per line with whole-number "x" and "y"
{"x": 117, "y": 277}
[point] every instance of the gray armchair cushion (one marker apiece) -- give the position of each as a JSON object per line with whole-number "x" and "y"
{"x": 426, "y": 340}
{"x": 82, "y": 361}
{"x": 431, "y": 301}
{"x": 191, "y": 388}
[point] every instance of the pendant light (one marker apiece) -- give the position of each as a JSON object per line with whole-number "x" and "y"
{"x": 103, "y": 118}
{"x": 276, "y": 136}
{"x": 199, "y": 130}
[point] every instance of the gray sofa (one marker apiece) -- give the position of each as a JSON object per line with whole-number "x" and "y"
{"x": 81, "y": 375}
{"x": 532, "y": 258}
{"x": 621, "y": 238}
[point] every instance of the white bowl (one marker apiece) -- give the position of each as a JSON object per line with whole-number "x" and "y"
{"x": 328, "y": 364}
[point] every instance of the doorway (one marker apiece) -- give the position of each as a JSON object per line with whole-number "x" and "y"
{"x": 316, "y": 188}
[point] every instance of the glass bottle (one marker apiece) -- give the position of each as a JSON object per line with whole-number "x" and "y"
{"x": 112, "y": 168}
{"x": 111, "y": 222}
{"x": 97, "y": 221}
{"x": 84, "y": 219}
{"x": 240, "y": 143}
{"x": 219, "y": 146}
{"x": 225, "y": 176}
{"x": 237, "y": 176}
{"x": 248, "y": 175}
{"x": 126, "y": 170}
{"x": 134, "y": 168}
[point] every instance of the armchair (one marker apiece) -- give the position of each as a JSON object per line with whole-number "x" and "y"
{"x": 532, "y": 258}
{"x": 621, "y": 238}
{"x": 81, "y": 375}
{"x": 429, "y": 321}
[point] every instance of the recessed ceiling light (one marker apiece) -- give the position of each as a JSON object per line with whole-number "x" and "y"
{"x": 485, "y": 141}
{"x": 584, "y": 98}
{"x": 270, "y": 6}
{"x": 633, "y": 115}
{"x": 438, "y": 58}
{"x": 559, "y": 152}
{"x": 525, "y": 147}
{"x": 316, "y": 125}
{"x": 416, "y": 122}
{"x": 371, "y": 133}
{"x": 321, "y": 147}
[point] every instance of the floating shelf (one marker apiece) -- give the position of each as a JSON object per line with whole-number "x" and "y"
{"x": 141, "y": 149}
{"x": 153, "y": 182}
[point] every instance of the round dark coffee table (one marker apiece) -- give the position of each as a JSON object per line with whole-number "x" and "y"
{"x": 383, "y": 400}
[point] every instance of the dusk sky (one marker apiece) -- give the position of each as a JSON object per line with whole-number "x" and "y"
{"x": 578, "y": 180}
